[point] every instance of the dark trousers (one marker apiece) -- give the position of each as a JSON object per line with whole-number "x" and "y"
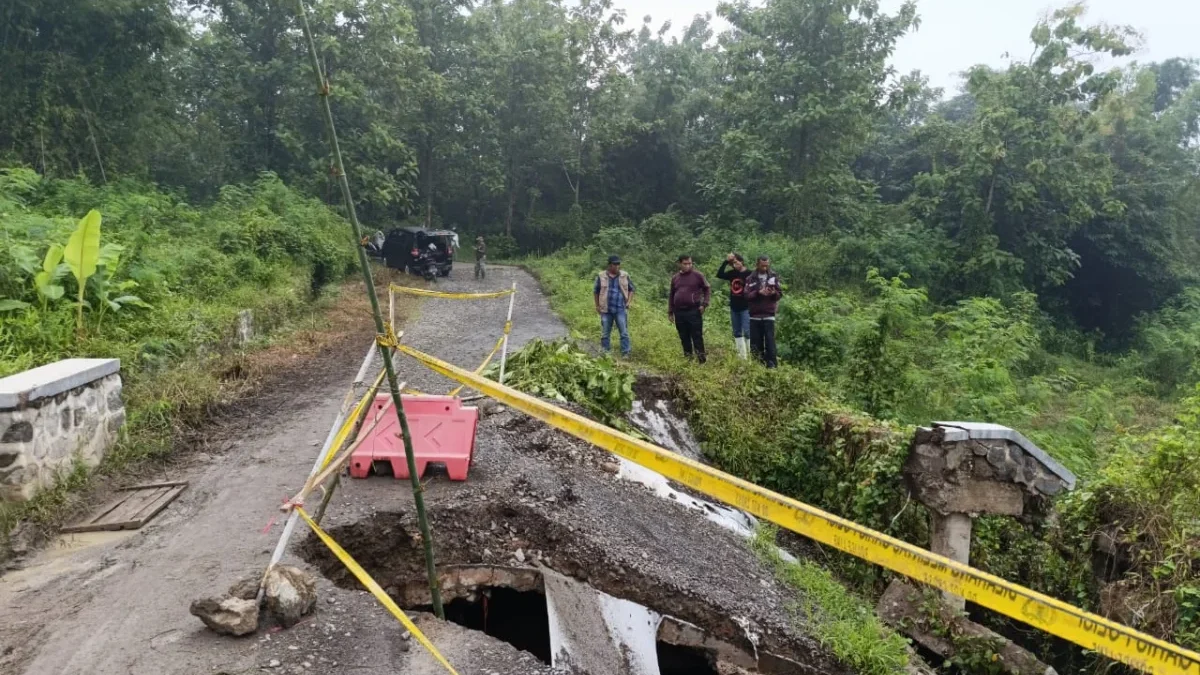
{"x": 762, "y": 340}
{"x": 689, "y": 323}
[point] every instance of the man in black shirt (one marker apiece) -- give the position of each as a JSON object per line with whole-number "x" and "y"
{"x": 733, "y": 269}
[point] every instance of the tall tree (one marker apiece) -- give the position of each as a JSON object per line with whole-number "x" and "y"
{"x": 595, "y": 44}
{"x": 524, "y": 72}
{"x": 87, "y": 84}
{"x": 1013, "y": 183}
{"x": 805, "y": 82}
{"x": 1135, "y": 257}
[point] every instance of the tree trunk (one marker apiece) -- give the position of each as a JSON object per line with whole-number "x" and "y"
{"x": 987, "y": 209}
{"x": 429, "y": 181}
{"x": 87, "y": 117}
{"x": 512, "y": 202}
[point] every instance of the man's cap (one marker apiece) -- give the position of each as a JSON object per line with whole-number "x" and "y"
{"x": 614, "y": 260}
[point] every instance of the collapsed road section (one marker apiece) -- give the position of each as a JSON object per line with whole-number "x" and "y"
{"x": 547, "y": 548}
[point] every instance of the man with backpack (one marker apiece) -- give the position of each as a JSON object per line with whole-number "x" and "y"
{"x": 762, "y": 294}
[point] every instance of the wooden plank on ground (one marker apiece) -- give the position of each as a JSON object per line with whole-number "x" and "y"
{"x": 134, "y": 508}
{"x": 147, "y": 486}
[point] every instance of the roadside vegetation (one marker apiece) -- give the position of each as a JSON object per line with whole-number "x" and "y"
{"x": 168, "y": 284}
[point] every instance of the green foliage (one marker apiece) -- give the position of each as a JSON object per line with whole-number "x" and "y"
{"x": 1147, "y": 498}
{"x": 170, "y": 254}
{"x": 841, "y": 621}
{"x": 1168, "y": 344}
{"x": 878, "y": 365}
{"x": 562, "y": 372}
{"x": 172, "y": 262}
{"x": 82, "y": 254}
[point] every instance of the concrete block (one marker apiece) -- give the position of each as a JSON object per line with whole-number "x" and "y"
{"x": 51, "y": 379}
{"x": 47, "y": 433}
{"x": 979, "y": 497}
{"x": 988, "y": 431}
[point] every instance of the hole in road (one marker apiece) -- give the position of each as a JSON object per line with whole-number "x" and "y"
{"x": 519, "y": 618}
{"x": 387, "y": 545}
{"x": 682, "y": 660}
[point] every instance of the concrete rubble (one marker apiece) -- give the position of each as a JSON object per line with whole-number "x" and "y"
{"x": 290, "y": 594}
{"x": 959, "y": 471}
{"x": 227, "y": 616}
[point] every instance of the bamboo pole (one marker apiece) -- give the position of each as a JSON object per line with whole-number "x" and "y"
{"x": 384, "y": 351}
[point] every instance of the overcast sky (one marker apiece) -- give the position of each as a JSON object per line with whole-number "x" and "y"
{"x": 957, "y": 34}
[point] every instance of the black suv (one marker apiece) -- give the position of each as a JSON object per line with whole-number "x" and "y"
{"x": 405, "y": 245}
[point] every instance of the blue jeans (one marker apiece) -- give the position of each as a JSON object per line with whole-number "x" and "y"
{"x": 606, "y": 323}
{"x": 740, "y": 318}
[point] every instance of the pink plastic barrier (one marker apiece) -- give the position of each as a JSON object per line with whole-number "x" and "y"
{"x": 443, "y": 431}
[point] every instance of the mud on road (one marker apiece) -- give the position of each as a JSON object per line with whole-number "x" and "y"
{"x": 535, "y": 498}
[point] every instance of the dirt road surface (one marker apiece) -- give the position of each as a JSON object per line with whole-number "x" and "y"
{"x": 119, "y": 604}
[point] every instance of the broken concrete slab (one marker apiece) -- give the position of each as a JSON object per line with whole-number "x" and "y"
{"x": 988, "y": 431}
{"x": 903, "y": 607}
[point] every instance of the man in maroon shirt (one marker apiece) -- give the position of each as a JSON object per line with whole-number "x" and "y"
{"x": 763, "y": 292}
{"x": 689, "y": 298}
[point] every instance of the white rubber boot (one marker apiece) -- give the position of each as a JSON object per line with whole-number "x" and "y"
{"x": 743, "y": 347}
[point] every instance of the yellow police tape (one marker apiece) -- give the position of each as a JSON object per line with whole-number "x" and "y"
{"x": 487, "y": 359}
{"x": 366, "y": 580}
{"x": 352, "y": 419}
{"x": 426, "y": 293}
{"x": 1040, "y": 611}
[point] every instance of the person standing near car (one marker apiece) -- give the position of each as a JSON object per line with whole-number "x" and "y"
{"x": 480, "y": 256}
{"x": 733, "y": 269}
{"x": 686, "y": 303}
{"x": 613, "y": 293}
{"x": 763, "y": 293}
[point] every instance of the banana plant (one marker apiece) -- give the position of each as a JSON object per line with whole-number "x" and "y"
{"x": 46, "y": 275}
{"x": 46, "y": 281}
{"x": 110, "y": 295}
{"x": 82, "y": 255}
{"x": 10, "y": 305}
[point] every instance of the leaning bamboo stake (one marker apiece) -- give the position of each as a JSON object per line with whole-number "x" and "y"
{"x": 334, "y": 467}
{"x": 380, "y": 328}
{"x": 358, "y": 424}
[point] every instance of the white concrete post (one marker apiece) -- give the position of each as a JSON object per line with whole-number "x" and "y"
{"x": 504, "y": 350}
{"x": 951, "y": 536}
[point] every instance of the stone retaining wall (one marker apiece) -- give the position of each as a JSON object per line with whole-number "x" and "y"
{"x": 51, "y": 415}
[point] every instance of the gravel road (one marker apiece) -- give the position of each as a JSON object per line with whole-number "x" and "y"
{"x": 118, "y": 605}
